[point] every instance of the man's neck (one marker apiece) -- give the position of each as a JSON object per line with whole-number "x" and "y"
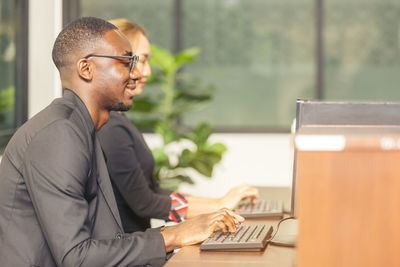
{"x": 99, "y": 115}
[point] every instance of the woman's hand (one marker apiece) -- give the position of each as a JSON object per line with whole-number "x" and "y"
{"x": 238, "y": 193}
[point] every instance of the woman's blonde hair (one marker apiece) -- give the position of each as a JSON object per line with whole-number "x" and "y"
{"x": 128, "y": 28}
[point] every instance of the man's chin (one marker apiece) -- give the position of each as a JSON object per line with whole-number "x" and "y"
{"x": 122, "y": 107}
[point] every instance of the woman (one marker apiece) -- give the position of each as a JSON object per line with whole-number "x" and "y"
{"x": 131, "y": 164}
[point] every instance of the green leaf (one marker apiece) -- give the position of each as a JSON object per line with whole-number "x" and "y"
{"x": 201, "y": 134}
{"x": 217, "y": 148}
{"x": 202, "y": 94}
{"x": 191, "y": 96}
{"x": 211, "y": 158}
{"x": 185, "y": 158}
{"x": 201, "y": 161}
{"x": 160, "y": 157}
{"x": 182, "y": 178}
{"x": 202, "y": 167}
{"x": 167, "y": 132}
{"x": 162, "y": 58}
{"x": 186, "y": 56}
{"x": 6, "y": 99}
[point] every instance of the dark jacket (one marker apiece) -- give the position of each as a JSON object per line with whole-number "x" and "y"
{"x": 57, "y": 206}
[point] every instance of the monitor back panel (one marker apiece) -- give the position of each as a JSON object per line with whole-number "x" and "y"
{"x": 330, "y": 113}
{"x": 346, "y": 113}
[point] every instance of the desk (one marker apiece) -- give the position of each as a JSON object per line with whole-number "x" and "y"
{"x": 272, "y": 256}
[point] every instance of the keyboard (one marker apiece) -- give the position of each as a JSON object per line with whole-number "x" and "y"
{"x": 263, "y": 208}
{"x": 245, "y": 238}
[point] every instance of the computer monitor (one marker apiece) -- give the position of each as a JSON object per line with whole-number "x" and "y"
{"x": 331, "y": 114}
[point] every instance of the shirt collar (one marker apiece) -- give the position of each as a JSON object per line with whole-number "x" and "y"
{"x": 70, "y": 95}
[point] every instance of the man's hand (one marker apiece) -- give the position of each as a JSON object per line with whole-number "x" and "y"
{"x": 236, "y": 194}
{"x": 199, "y": 228}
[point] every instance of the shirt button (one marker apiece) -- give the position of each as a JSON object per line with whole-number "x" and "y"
{"x": 118, "y": 236}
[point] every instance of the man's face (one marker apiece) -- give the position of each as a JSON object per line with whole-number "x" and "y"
{"x": 114, "y": 82}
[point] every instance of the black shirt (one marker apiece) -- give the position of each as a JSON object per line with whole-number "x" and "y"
{"x": 131, "y": 165}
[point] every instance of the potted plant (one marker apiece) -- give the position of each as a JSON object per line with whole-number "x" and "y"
{"x": 160, "y": 110}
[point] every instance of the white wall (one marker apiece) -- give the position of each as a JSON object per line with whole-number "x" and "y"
{"x": 45, "y": 22}
{"x": 256, "y": 159}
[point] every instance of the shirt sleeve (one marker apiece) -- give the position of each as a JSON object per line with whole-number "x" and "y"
{"x": 179, "y": 207}
{"x": 159, "y": 190}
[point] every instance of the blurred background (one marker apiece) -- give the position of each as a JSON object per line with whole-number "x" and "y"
{"x": 260, "y": 55}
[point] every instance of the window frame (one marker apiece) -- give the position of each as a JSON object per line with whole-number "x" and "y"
{"x": 21, "y": 71}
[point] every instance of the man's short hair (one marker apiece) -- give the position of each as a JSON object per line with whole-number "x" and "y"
{"x": 78, "y": 35}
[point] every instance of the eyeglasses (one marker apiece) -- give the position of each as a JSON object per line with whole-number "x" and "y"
{"x": 132, "y": 59}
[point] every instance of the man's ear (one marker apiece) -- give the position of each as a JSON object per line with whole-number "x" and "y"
{"x": 85, "y": 69}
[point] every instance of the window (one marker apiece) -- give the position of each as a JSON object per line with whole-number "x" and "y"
{"x": 264, "y": 54}
{"x": 362, "y": 50}
{"x": 258, "y": 53}
{"x": 13, "y": 67}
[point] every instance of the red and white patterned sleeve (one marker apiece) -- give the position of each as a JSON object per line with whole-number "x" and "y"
{"x": 179, "y": 207}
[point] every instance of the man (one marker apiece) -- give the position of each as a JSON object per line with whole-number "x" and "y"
{"x": 56, "y": 201}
